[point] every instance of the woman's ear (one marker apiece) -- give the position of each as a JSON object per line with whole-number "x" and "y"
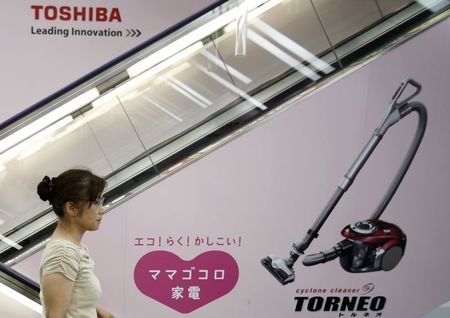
{"x": 71, "y": 208}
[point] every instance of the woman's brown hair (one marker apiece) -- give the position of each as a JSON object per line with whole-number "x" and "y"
{"x": 75, "y": 185}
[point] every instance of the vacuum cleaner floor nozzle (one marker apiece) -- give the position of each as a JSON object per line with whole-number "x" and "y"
{"x": 279, "y": 269}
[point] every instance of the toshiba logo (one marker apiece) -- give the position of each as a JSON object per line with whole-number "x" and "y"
{"x": 73, "y": 13}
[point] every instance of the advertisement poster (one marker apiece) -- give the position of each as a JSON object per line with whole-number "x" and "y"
{"x": 258, "y": 194}
{"x": 192, "y": 245}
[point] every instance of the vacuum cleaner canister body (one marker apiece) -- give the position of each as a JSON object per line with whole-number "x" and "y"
{"x": 377, "y": 245}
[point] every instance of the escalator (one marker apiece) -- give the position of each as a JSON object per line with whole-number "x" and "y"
{"x": 182, "y": 94}
{"x": 21, "y": 289}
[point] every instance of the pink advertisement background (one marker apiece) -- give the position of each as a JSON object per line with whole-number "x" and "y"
{"x": 269, "y": 185}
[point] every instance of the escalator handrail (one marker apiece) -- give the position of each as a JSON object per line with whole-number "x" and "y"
{"x": 19, "y": 277}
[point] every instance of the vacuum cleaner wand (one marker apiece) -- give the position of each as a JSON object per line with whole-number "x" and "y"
{"x": 282, "y": 269}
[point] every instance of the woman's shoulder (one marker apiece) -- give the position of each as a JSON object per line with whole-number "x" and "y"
{"x": 62, "y": 245}
{"x": 63, "y": 242}
{"x": 63, "y": 256}
{"x": 64, "y": 250}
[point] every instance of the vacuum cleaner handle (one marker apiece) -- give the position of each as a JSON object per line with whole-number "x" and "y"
{"x": 400, "y": 90}
{"x": 394, "y": 112}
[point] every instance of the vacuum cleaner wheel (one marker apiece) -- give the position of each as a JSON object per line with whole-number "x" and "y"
{"x": 391, "y": 258}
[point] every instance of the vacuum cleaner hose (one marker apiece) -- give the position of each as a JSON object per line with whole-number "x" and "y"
{"x": 328, "y": 255}
{"x": 420, "y": 131}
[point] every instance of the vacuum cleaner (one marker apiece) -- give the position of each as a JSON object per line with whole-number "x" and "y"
{"x": 369, "y": 245}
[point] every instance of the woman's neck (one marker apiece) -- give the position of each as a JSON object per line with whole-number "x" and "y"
{"x": 68, "y": 232}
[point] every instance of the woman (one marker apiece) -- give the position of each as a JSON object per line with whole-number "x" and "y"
{"x": 69, "y": 287}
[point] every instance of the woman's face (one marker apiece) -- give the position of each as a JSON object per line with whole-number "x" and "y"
{"x": 91, "y": 215}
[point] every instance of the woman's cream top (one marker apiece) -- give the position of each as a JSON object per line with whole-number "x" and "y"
{"x": 74, "y": 262}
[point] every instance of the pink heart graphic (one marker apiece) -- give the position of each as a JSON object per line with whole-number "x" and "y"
{"x": 186, "y": 285}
